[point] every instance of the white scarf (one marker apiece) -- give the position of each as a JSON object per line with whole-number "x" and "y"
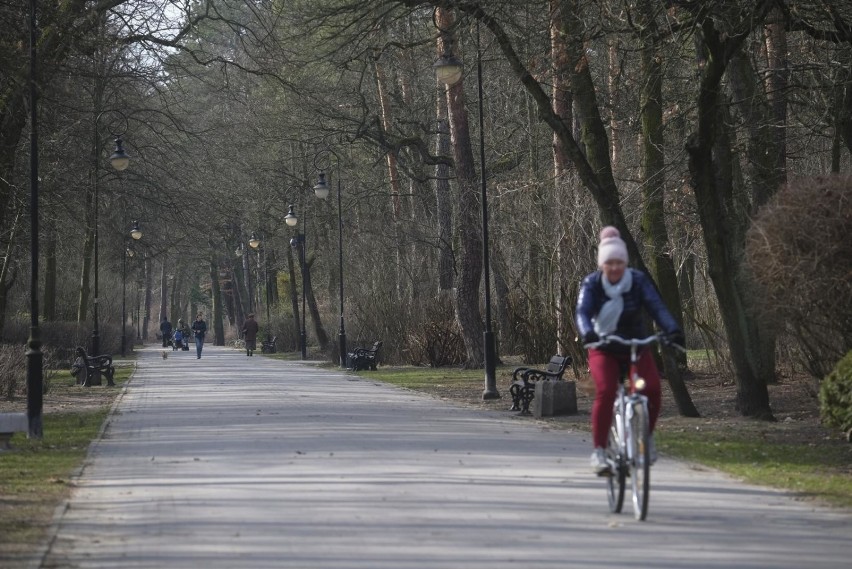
{"x": 607, "y": 319}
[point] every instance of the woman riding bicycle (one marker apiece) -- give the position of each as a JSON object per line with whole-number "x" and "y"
{"x": 610, "y": 302}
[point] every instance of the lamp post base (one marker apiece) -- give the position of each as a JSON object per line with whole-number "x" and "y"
{"x": 304, "y": 343}
{"x": 341, "y": 337}
{"x": 490, "y": 368}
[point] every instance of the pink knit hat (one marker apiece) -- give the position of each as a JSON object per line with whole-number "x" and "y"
{"x": 611, "y": 246}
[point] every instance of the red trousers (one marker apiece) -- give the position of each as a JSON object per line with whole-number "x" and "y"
{"x": 606, "y": 369}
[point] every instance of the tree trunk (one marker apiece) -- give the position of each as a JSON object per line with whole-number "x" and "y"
{"x": 50, "y": 273}
{"x": 443, "y": 197}
{"x": 319, "y": 330}
{"x": 562, "y": 103}
{"x": 88, "y": 249}
{"x": 393, "y": 177}
{"x": 658, "y": 250}
{"x": 777, "y": 82}
{"x": 723, "y": 229}
{"x": 469, "y": 218}
{"x": 164, "y": 290}
{"x": 8, "y": 270}
{"x": 149, "y": 296}
{"x": 294, "y": 297}
{"x": 217, "y": 318}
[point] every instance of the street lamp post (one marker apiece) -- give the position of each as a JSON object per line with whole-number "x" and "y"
{"x": 449, "y": 70}
{"x": 321, "y": 190}
{"x": 136, "y": 234}
{"x": 299, "y": 243}
{"x": 35, "y": 358}
{"x": 119, "y": 161}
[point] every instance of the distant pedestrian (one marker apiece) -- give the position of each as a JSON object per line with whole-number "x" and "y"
{"x": 199, "y": 328}
{"x": 187, "y": 333}
{"x": 250, "y": 329}
{"x": 166, "y": 331}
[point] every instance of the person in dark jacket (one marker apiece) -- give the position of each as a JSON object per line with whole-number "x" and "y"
{"x": 611, "y": 301}
{"x": 199, "y": 328}
{"x": 250, "y": 329}
{"x": 186, "y": 332}
{"x": 166, "y": 331}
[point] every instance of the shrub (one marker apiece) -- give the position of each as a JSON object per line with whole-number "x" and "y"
{"x": 13, "y": 370}
{"x": 438, "y": 341}
{"x": 835, "y": 396}
{"x": 800, "y": 254}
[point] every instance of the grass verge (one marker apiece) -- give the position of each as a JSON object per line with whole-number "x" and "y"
{"x": 35, "y": 474}
{"x": 811, "y": 470}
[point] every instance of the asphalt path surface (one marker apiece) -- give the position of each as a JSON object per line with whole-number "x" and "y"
{"x": 239, "y": 462}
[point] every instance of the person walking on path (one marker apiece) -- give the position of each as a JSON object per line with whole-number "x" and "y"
{"x": 250, "y": 329}
{"x": 611, "y": 301}
{"x": 187, "y": 333}
{"x": 166, "y": 331}
{"x": 199, "y": 328}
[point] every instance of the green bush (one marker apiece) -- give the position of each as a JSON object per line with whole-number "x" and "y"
{"x": 835, "y": 395}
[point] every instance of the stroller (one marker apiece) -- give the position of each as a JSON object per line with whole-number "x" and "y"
{"x": 178, "y": 341}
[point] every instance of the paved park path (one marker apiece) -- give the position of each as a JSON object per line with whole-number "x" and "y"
{"x": 235, "y": 462}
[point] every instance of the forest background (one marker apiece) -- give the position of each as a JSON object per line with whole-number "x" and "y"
{"x": 692, "y": 126}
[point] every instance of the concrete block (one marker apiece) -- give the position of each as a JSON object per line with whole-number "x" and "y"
{"x": 11, "y": 423}
{"x": 554, "y": 398}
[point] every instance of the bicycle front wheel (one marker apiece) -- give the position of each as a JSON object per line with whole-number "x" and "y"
{"x": 615, "y": 482}
{"x": 640, "y": 460}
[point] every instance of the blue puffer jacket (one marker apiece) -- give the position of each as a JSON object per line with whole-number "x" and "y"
{"x": 642, "y": 294}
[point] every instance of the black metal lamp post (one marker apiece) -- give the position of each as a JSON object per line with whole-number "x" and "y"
{"x": 321, "y": 190}
{"x": 35, "y": 358}
{"x": 449, "y": 70}
{"x": 120, "y": 161}
{"x": 136, "y": 234}
{"x": 299, "y": 243}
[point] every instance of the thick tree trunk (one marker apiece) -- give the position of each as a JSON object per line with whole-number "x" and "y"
{"x": 469, "y": 219}
{"x": 723, "y": 229}
{"x": 653, "y": 193}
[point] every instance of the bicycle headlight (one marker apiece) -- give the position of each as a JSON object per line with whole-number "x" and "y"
{"x": 638, "y": 384}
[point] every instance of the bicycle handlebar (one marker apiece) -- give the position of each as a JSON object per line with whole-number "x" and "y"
{"x": 609, "y": 338}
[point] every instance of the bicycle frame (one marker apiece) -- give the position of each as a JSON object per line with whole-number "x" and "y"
{"x": 623, "y": 440}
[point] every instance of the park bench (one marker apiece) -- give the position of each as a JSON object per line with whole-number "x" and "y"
{"x": 93, "y": 367}
{"x": 363, "y": 358}
{"x": 524, "y": 380}
{"x": 268, "y": 346}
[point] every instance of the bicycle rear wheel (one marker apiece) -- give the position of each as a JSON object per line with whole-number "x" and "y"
{"x": 615, "y": 482}
{"x": 641, "y": 460}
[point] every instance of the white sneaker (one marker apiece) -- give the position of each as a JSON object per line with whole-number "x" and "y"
{"x": 598, "y": 461}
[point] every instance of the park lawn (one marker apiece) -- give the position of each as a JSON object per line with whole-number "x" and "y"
{"x": 35, "y": 476}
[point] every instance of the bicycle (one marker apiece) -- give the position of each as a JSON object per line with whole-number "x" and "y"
{"x": 628, "y": 445}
